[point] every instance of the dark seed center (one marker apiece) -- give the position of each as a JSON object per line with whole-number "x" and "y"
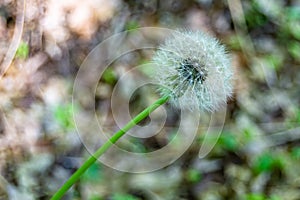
{"x": 191, "y": 71}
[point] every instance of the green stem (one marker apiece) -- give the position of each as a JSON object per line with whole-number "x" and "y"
{"x": 66, "y": 186}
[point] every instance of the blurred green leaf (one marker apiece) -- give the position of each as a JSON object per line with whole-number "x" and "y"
{"x": 274, "y": 197}
{"x": 93, "y": 174}
{"x": 294, "y": 49}
{"x": 254, "y": 18}
{"x": 249, "y": 134}
{"x": 193, "y": 175}
{"x": 296, "y": 153}
{"x": 270, "y": 10}
{"x": 228, "y": 141}
{"x": 294, "y": 28}
{"x": 267, "y": 162}
{"x": 22, "y": 51}
{"x": 124, "y": 197}
{"x": 292, "y": 13}
{"x": 96, "y": 197}
{"x": 109, "y": 76}
{"x": 137, "y": 146}
{"x": 274, "y": 61}
{"x": 255, "y": 197}
{"x": 131, "y": 25}
{"x": 63, "y": 114}
{"x": 293, "y": 120}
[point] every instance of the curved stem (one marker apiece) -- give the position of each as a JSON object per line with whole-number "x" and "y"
{"x": 66, "y": 186}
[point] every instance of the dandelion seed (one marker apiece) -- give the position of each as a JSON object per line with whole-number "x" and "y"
{"x": 196, "y": 69}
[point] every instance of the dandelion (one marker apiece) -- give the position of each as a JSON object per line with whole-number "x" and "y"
{"x": 195, "y": 68}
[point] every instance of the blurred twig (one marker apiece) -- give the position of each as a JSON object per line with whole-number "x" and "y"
{"x": 240, "y": 26}
{"x": 16, "y": 39}
{"x": 280, "y": 138}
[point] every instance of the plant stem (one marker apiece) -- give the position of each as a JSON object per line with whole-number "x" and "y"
{"x": 66, "y": 186}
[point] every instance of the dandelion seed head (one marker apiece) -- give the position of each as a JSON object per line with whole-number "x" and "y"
{"x": 196, "y": 69}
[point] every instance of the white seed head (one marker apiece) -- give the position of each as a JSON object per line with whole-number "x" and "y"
{"x": 195, "y": 68}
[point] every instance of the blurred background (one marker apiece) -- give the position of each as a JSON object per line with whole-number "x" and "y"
{"x": 44, "y": 42}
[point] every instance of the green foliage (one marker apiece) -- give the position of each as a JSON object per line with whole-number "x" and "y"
{"x": 131, "y": 25}
{"x": 228, "y": 141}
{"x": 124, "y": 197}
{"x": 273, "y": 61}
{"x": 63, "y": 115}
{"x": 293, "y": 120}
{"x": 255, "y": 197}
{"x": 193, "y": 175}
{"x": 294, "y": 28}
{"x": 294, "y": 49}
{"x": 96, "y": 197}
{"x": 296, "y": 153}
{"x": 248, "y": 134}
{"x": 137, "y": 146}
{"x": 290, "y": 30}
{"x": 22, "y": 51}
{"x": 274, "y": 197}
{"x": 292, "y": 13}
{"x": 292, "y": 20}
{"x": 267, "y": 162}
{"x": 254, "y": 18}
{"x": 93, "y": 174}
{"x": 297, "y": 116}
{"x": 109, "y": 76}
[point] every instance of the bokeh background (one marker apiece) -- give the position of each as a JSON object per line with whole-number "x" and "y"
{"x": 43, "y": 44}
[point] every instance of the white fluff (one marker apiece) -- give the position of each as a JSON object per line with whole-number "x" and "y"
{"x": 196, "y": 69}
